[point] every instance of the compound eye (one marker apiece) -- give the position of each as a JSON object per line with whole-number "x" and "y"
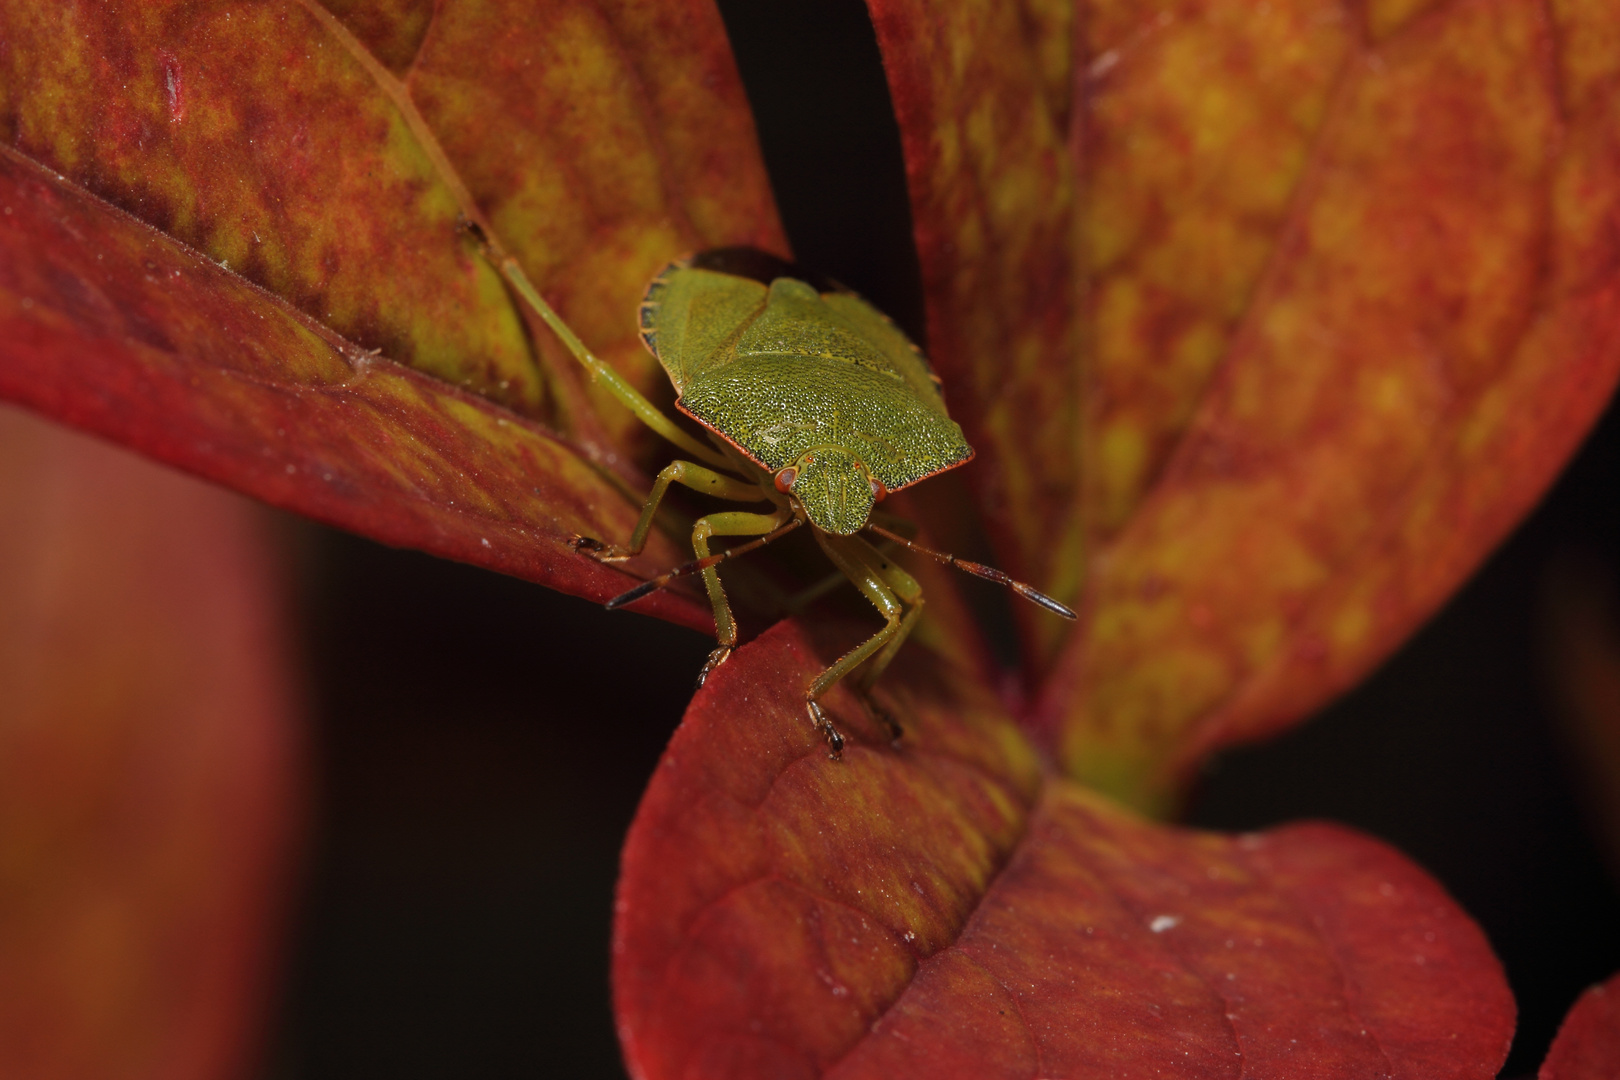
{"x": 785, "y": 478}
{"x": 878, "y": 490}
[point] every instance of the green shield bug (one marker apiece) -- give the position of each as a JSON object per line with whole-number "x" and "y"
{"x": 817, "y": 404}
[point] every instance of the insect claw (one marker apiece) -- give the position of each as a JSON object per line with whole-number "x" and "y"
{"x": 467, "y": 225}
{"x": 835, "y": 741}
{"x": 716, "y": 658}
{"x": 602, "y": 553}
{"x": 884, "y": 717}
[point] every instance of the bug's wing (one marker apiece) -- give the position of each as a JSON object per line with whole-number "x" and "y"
{"x": 804, "y": 374}
{"x": 898, "y": 351}
{"x": 689, "y": 317}
{"x": 799, "y": 321}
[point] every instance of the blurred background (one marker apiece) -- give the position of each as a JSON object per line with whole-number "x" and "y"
{"x": 475, "y": 746}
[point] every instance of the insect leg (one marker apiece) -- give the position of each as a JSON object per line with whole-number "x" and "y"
{"x": 686, "y": 474}
{"x": 728, "y": 523}
{"x": 909, "y": 593}
{"x": 799, "y": 601}
{"x": 848, "y": 559}
{"x": 628, "y": 395}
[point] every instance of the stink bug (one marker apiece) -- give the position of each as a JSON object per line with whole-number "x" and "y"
{"x": 817, "y": 404}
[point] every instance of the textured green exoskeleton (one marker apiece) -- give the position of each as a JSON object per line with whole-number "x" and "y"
{"x": 817, "y": 405}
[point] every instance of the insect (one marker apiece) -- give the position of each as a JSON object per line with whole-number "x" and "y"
{"x": 818, "y": 405}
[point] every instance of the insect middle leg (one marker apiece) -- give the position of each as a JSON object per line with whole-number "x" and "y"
{"x": 872, "y": 574}
{"x": 729, "y": 523}
{"x": 685, "y": 473}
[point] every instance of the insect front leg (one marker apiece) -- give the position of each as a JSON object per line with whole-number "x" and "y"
{"x": 730, "y": 523}
{"x": 845, "y": 553}
{"x": 908, "y": 592}
{"x": 686, "y": 474}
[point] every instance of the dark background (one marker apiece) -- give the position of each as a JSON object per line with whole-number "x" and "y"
{"x": 481, "y": 743}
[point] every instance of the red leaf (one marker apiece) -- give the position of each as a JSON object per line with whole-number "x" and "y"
{"x": 946, "y": 909}
{"x": 1588, "y": 1043}
{"x": 150, "y": 781}
{"x": 117, "y": 329}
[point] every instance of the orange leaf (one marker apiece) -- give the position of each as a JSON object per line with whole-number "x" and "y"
{"x": 992, "y": 193}
{"x": 1344, "y": 297}
{"x": 327, "y": 159}
{"x": 600, "y": 140}
{"x": 1431, "y": 341}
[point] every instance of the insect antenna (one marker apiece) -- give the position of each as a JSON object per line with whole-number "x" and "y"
{"x": 989, "y": 573}
{"x": 652, "y": 585}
